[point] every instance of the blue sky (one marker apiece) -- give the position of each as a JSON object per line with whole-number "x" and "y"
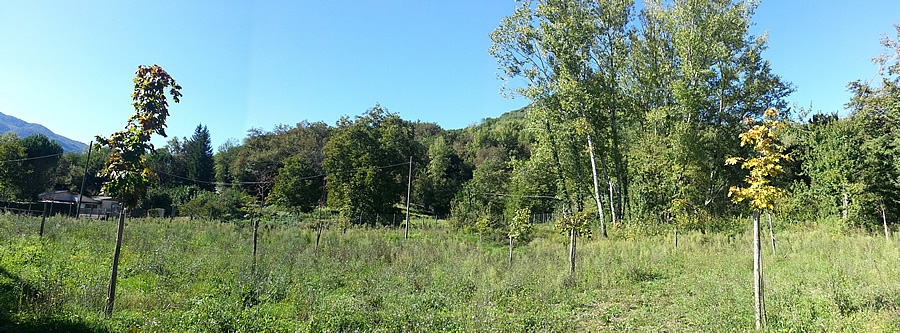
{"x": 245, "y": 64}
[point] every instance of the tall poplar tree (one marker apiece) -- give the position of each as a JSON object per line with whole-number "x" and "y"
{"x": 571, "y": 52}
{"x": 704, "y": 73}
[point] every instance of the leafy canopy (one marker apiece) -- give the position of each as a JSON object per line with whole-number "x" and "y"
{"x": 126, "y": 170}
{"x": 578, "y": 222}
{"x": 519, "y": 228}
{"x": 764, "y": 166}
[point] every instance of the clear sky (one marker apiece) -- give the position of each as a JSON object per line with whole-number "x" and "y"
{"x": 68, "y": 65}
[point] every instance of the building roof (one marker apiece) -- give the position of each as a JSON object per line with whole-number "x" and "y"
{"x": 65, "y": 196}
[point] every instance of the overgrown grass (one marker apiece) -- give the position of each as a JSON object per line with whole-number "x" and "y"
{"x": 199, "y": 276}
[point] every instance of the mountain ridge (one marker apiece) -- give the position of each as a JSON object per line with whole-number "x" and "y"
{"x": 10, "y": 124}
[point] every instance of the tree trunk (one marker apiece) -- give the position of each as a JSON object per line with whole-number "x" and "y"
{"x": 510, "y": 250}
{"x": 573, "y": 145}
{"x": 572, "y": 244}
{"x": 408, "y": 192}
{"x": 759, "y": 306}
{"x": 616, "y": 159}
{"x": 771, "y": 233}
{"x": 255, "y": 229}
{"x": 612, "y": 209}
{"x": 845, "y": 205}
{"x": 887, "y": 235}
{"x": 255, "y": 236}
{"x": 559, "y": 174}
{"x": 319, "y": 228}
{"x": 43, "y": 219}
{"x": 596, "y": 186}
{"x": 676, "y": 237}
{"x": 111, "y": 295}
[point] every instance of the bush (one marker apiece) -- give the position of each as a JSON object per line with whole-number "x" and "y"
{"x": 226, "y": 205}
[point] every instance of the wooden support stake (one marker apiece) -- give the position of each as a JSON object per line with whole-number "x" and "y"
{"x": 43, "y": 219}
{"x": 111, "y": 295}
{"x": 408, "y": 191}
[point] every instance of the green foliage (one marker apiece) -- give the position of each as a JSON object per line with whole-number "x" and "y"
{"x": 480, "y": 195}
{"x": 532, "y": 186}
{"x": 849, "y": 165}
{"x": 441, "y": 178}
{"x": 156, "y": 198}
{"x": 363, "y": 160}
{"x": 199, "y": 158}
{"x": 228, "y": 205}
{"x": 70, "y": 172}
{"x": 700, "y": 73}
{"x": 127, "y": 174}
{"x": 519, "y": 228}
{"x": 297, "y": 186}
{"x": 223, "y": 159}
{"x": 263, "y": 153}
{"x": 12, "y": 171}
{"x": 580, "y": 223}
{"x": 46, "y": 156}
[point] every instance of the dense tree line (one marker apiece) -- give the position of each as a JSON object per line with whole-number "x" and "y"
{"x": 633, "y": 114}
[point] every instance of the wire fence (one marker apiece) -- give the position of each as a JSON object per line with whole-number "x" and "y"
{"x": 328, "y": 216}
{"x": 54, "y": 208}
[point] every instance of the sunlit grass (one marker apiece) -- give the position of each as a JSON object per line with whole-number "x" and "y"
{"x": 200, "y": 276}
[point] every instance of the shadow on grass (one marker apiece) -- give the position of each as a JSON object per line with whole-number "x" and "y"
{"x": 16, "y": 294}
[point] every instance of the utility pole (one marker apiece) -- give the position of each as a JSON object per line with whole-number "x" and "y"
{"x": 408, "y": 191}
{"x": 87, "y": 162}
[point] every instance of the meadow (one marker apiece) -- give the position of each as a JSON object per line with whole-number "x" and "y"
{"x": 199, "y": 276}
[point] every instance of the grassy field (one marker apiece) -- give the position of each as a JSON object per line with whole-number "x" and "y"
{"x": 199, "y": 276}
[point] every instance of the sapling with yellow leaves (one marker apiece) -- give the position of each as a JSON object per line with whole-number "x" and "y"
{"x": 761, "y": 194}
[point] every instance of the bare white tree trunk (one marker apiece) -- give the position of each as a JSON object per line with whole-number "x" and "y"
{"x": 887, "y": 235}
{"x": 510, "y": 250}
{"x": 596, "y": 186}
{"x": 771, "y": 232}
{"x": 845, "y": 206}
{"x": 572, "y": 239}
{"x": 612, "y": 208}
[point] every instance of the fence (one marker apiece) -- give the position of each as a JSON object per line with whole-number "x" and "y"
{"x": 51, "y": 208}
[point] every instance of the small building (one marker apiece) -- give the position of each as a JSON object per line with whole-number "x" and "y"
{"x": 97, "y": 205}
{"x": 66, "y": 197}
{"x": 107, "y": 204}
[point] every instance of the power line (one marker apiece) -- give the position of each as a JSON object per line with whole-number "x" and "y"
{"x": 206, "y": 182}
{"x": 30, "y": 158}
{"x": 522, "y": 196}
{"x": 272, "y": 181}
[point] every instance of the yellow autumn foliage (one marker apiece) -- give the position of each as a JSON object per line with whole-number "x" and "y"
{"x": 764, "y": 166}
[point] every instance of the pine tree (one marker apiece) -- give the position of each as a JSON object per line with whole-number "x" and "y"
{"x": 199, "y": 158}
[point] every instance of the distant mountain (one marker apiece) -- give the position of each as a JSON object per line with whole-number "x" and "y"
{"x": 23, "y": 129}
